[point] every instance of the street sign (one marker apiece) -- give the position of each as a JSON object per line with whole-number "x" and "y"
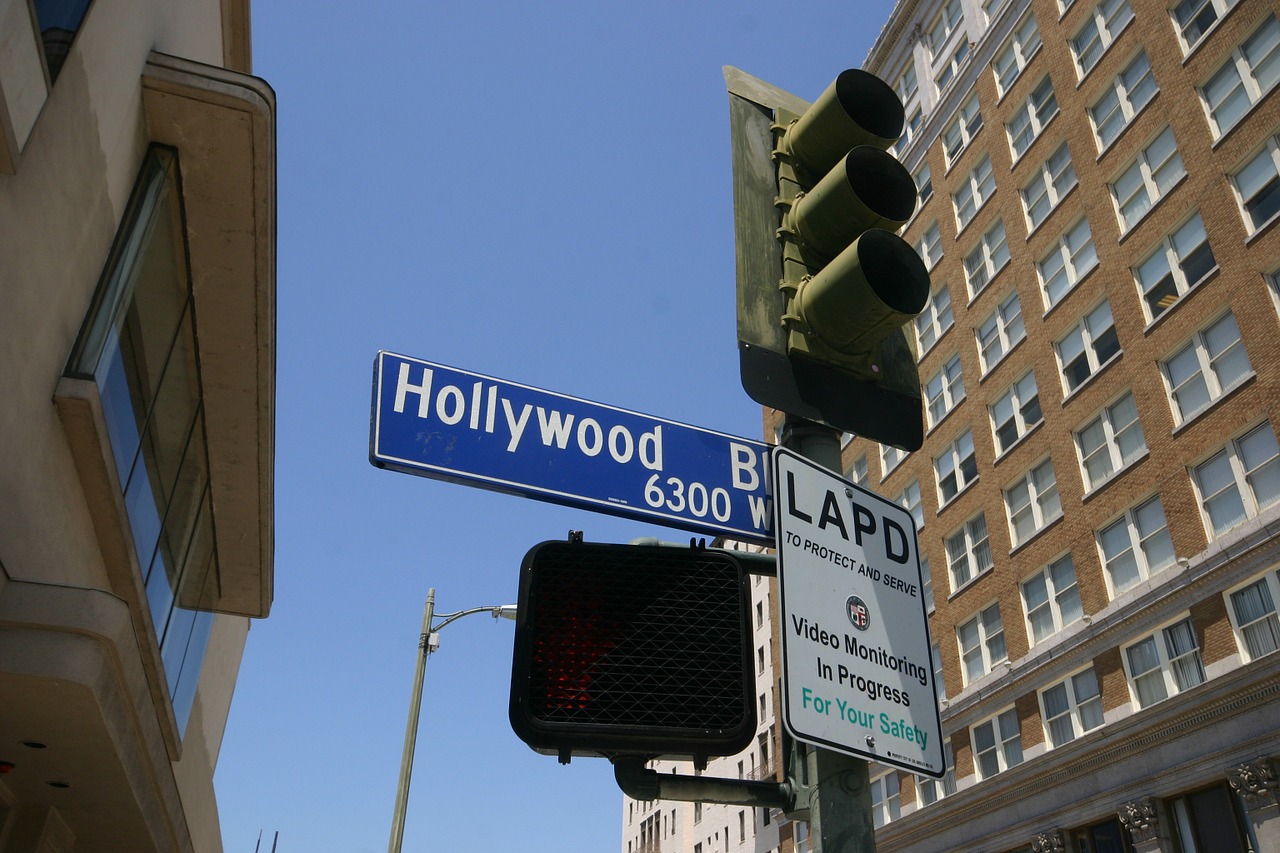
{"x": 856, "y": 665}
{"x": 450, "y": 424}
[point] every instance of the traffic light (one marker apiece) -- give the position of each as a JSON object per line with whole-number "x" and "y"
{"x": 632, "y": 650}
{"x": 824, "y": 285}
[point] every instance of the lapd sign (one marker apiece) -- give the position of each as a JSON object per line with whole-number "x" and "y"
{"x": 449, "y": 424}
{"x": 856, "y": 666}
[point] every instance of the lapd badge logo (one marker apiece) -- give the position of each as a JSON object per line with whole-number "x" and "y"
{"x": 859, "y": 613}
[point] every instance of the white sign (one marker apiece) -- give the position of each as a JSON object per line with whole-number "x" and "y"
{"x": 857, "y": 673}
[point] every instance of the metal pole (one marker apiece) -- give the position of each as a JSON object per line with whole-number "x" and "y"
{"x": 838, "y": 785}
{"x": 411, "y": 729}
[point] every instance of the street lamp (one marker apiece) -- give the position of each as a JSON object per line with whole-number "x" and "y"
{"x": 428, "y": 643}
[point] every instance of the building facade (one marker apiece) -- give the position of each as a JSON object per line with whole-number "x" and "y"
{"x": 137, "y": 336}
{"x": 1098, "y": 494}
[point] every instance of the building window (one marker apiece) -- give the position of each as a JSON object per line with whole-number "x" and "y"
{"x": 935, "y": 319}
{"x": 1193, "y": 18}
{"x": 1131, "y": 90}
{"x": 974, "y": 192}
{"x": 1051, "y": 599}
{"x": 1110, "y": 441}
{"x": 1164, "y": 663}
{"x": 907, "y": 87}
{"x": 1030, "y": 118}
{"x": 1049, "y": 184}
{"x": 926, "y": 584}
{"x": 944, "y": 390}
{"x": 1104, "y": 23}
{"x": 1257, "y": 186}
{"x": 952, "y": 66}
{"x": 1000, "y": 332}
{"x": 956, "y": 468}
{"x": 962, "y": 130}
{"x": 1208, "y": 367}
{"x": 1090, "y": 345}
{"x": 924, "y": 184}
{"x": 1071, "y": 707}
{"x": 1181, "y": 261}
{"x": 997, "y": 744}
{"x": 138, "y": 344}
{"x": 947, "y": 22}
{"x": 58, "y": 22}
{"x": 909, "y": 499}
{"x": 1249, "y": 73}
{"x": 932, "y": 790}
{"x": 890, "y": 458}
{"x": 981, "y": 643}
{"x": 857, "y": 471}
{"x": 1241, "y": 480}
{"x": 1070, "y": 259}
{"x": 939, "y": 686}
{"x": 885, "y": 801}
{"x": 1015, "y": 411}
{"x": 930, "y": 246}
{"x": 1016, "y": 53}
{"x": 1157, "y": 168}
{"x": 1253, "y": 616}
{"x": 968, "y": 552}
{"x": 1135, "y": 545}
{"x": 986, "y": 259}
{"x": 1211, "y": 821}
{"x": 1032, "y": 502}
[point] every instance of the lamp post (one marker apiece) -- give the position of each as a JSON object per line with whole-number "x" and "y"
{"x": 428, "y": 643}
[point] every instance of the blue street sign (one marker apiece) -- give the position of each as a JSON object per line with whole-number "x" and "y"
{"x": 450, "y": 424}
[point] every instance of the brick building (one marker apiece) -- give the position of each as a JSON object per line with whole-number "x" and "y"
{"x": 1098, "y": 494}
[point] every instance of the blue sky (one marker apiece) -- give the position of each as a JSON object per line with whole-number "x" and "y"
{"x": 538, "y": 192}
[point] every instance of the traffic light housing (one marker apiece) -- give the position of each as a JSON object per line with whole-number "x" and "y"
{"x": 825, "y": 287}
{"x": 632, "y": 650}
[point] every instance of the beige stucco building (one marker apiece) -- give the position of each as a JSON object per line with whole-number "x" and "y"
{"x": 137, "y": 371}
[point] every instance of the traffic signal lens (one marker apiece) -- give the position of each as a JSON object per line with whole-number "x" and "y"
{"x": 624, "y": 649}
{"x": 856, "y": 109}
{"x": 868, "y": 188}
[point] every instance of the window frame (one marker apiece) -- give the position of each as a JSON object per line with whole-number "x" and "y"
{"x": 992, "y": 256}
{"x": 966, "y": 126}
{"x": 1042, "y": 503}
{"x": 1063, "y": 262}
{"x": 973, "y": 546}
{"x": 1039, "y": 108}
{"x": 1111, "y": 446}
{"x": 1106, "y": 24}
{"x": 1146, "y": 183}
{"x": 1023, "y": 44}
{"x": 950, "y": 391}
{"x": 1054, "y": 598}
{"x": 1122, "y": 91}
{"x": 1270, "y": 581}
{"x": 1164, "y": 660}
{"x": 935, "y": 310}
{"x": 1171, "y": 268}
{"x": 1047, "y": 184}
{"x": 990, "y": 644}
{"x": 1001, "y": 746}
{"x": 957, "y": 463}
{"x": 973, "y": 192}
{"x": 1018, "y": 412}
{"x": 1006, "y": 326}
{"x": 1206, "y": 363}
{"x": 1089, "y": 347}
{"x": 1075, "y": 711}
{"x": 1246, "y": 79}
{"x": 1138, "y": 542}
{"x": 1231, "y": 452}
{"x": 1269, "y": 153}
